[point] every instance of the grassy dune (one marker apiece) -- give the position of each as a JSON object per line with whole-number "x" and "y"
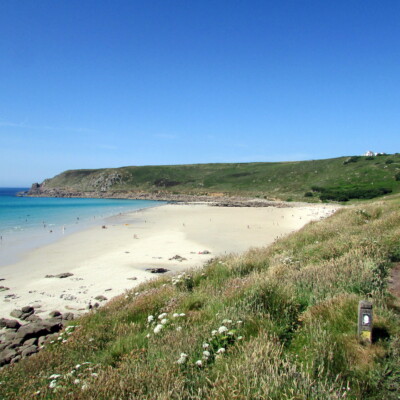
{"x": 283, "y": 180}
{"x": 285, "y": 317}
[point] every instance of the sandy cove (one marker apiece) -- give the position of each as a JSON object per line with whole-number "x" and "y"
{"x": 104, "y": 261}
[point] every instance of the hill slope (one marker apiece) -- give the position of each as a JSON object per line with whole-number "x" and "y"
{"x": 267, "y": 180}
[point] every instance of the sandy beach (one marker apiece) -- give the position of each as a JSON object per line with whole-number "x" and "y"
{"x": 109, "y": 261}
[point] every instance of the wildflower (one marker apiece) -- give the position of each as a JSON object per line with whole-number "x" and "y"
{"x": 179, "y": 328}
{"x": 148, "y": 335}
{"x": 206, "y": 345}
{"x": 91, "y": 339}
{"x": 95, "y": 375}
{"x": 76, "y": 381}
{"x": 150, "y": 318}
{"x": 214, "y": 332}
{"x": 54, "y": 376}
{"x": 175, "y": 315}
{"x": 162, "y": 316}
{"x": 240, "y": 338}
{"x": 182, "y": 315}
{"x": 164, "y": 321}
{"x": 222, "y": 329}
{"x": 227, "y": 321}
{"x": 206, "y": 354}
{"x": 199, "y": 363}
{"x": 230, "y": 333}
{"x": 84, "y": 386}
{"x": 221, "y": 350}
{"x": 53, "y": 384}
{"x": 158, "y": 328}
{"x": 239, "y": 322}
{"x": 182, "y": 358}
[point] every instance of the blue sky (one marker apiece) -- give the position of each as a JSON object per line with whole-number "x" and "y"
{"x": 89, "y": 84}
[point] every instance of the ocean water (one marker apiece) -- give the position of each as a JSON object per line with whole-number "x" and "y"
{"x": 30, "y": 222}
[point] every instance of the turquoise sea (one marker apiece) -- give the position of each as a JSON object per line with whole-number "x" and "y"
{"x": 29, "y": 222}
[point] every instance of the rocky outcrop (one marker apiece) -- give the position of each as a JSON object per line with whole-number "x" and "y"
{"x": 20, "y": 341}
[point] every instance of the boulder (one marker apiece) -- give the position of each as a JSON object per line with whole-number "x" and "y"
{"x": 16, "y": 313}
{"x": 9, "y": 323}
{"x": 15, "y": 343}
{"x": 28, "y": 350}
{"x": 15, "y": 359}
{"x": 37, "y": 329}
{"x": 101, "y": 298}
{"x": 157, "y": 270}
{"x": 6, "y": 356}
{"x": 31, "y": 342}
{"x": 33, "y": 318}
{"x": 68, "y": 316}
{"x": 28, "y": 310}
{"x": 55, "y": 314}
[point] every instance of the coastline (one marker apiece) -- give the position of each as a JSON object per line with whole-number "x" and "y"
{"x": 105, "y": 261}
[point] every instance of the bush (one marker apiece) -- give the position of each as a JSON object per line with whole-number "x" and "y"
{"x": 341, "y": 194}
{"x": 389, "y": 161}
{"x": 397, "y": 176}
{"x": 308, "y": 194}
{"x": 370, "y": 158}
{"x": 351, "y": 160}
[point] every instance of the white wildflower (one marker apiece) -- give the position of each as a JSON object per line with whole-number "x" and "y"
{"x": 95, "y": 375}
{"x": 76, "y": 381}
{"x": 84, "y": 386}
{"x": 53, "y": 384}
{"x": 158, "y": 328}
{"x": 175, "y": 315}
{"x": 206, "y": 354}
{"x": 148, "y": 335}
{"x": 162, "y": 316}
{"x": 206, "y": 345}
{"x": 77, "y": 366}
{"x": 179, "y": 328}
{"x": 221, "y": 350}
{"x": 150, "y": 318}
{"x": 199, "y": 363}
{"x": 164, "y": 321}
{"x": 227, "y": 321}
{"x": 230, "y": 333}
{"x": 222, "y": 329}
{"x": 182, "y": 358}
{"x": 239, "y": 322}
{"x": 182, "y": 315}
{"x": 54, "y": 376}
{"x": 240, "y": 338}
{"x": 91, "y": 339}
{"x": 214, "y": 332}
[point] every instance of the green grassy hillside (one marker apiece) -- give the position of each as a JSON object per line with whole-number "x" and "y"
{"x": 270, "y": 180}
{"x": 274, "y": 323}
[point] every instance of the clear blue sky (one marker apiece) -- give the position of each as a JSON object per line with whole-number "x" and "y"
{"x": 88, "y": 84}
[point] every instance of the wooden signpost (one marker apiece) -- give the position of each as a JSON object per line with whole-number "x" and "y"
{"x": 365, "y": 321}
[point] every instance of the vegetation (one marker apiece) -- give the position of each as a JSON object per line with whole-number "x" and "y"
{"x": 273, "y": 323}
{"x": 265, "y": 180}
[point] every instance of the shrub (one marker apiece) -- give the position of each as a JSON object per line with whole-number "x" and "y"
{"x": 370, "y": 158}
{"x": 389, "y": 161}
{"x": 352, "y": 159}
{"x": 397, "y": 176}
{"x": 308, "y": 194}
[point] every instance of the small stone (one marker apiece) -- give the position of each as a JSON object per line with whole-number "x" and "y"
{"x": 132, "y": 279}
{"x": 3, "y": 288}
{"x": 101, "y": 298}
{"x": 68, "y": 316}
